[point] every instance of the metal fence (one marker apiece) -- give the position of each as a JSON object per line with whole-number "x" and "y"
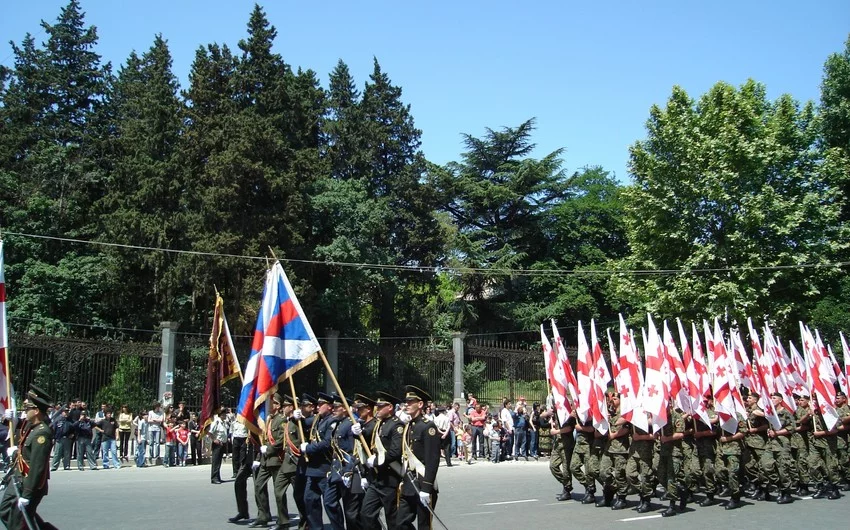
{"x": 68, "y": 368}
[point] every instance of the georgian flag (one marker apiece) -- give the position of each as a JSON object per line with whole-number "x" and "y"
{"x": 629, "y": 381}
{"x": 557, "y": 380}
{"x": 6, "y": 399}
{"x": 656, "y": 389}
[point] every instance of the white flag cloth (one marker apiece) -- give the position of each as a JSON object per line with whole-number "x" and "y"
{"x": 656, "y": 392}
{"x": 629, "y": 381}
{"x": 557, "y": 380}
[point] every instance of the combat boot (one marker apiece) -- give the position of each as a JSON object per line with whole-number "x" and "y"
{"x": 565, "y": 495}
{"x": 644, "y": 505}
{"x": 589, "y": 497}
{"x": 620, "y": 503}
{"x": 607, "y": 497}
{"x": 759, "y": 495}
{"x": 708, "y": 500}
{"x": 767, "y": 496}
{"x": 785, "y": 497}
{"x": 821, "y": 492}
{"x": 802, "y": 490}
{"x": 733, "y": 503}
{"x": 684, "y": 495}
{"x": 670, "y": 511}
{"x": 725, "y": 492}
{"x": 833, "y": 493}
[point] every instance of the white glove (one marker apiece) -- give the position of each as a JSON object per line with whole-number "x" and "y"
{"x": 297, "y": 414}
{"x": 264, "y": 448}
{"x": 356, "y": 429}
{"x": 364, "y": 483}
{"x": 255, "y": 465}
{"x": 10, "y": 452}
{"x": 425, "y": 498}
{"x": 370, "y": 462}
{"x": 303, "y": 446}
{"x": 22, "y": 503}
{"x": 8, "y": 414}
{"x": 404, "y": 417}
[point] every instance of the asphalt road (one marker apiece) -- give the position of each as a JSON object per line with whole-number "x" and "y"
{"x": 488, "y": 496}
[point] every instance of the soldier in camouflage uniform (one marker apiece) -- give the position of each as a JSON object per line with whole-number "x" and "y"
{"x": 563, "y": 444}
{"x": 612, "y": 467}
{"x": 728, "y": 463}
{"x": 779, "y": 447}
{"x": 800, "y": 443}
{"x": 756, "y": 441}
{"x": 581, "y": 457}
{"x": 823, "y": 447}
{"x": 705, "y": 438}
{"x": 639, "y": 469}
{"x": 671, "y": 461}
{"x": 843, "y": 454}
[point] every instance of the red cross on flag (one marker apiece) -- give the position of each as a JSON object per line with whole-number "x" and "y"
{"x": 601, "y": 378}
{"x": 584, "y": 377}
{"x": 818, "y": 369}
{"x": 656, "y": 390}
{"x": 692, "y": 378}
{"x": 727, "y": 398}
{"x": 572, "y": 384}
{"x": 629, "y": 381}
{"x": 801, "y": 385}
{"x": 557, "y": 380}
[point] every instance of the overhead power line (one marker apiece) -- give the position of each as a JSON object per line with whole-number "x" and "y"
{"x": 446, "y": 269}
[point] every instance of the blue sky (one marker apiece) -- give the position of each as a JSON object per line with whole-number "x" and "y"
{"x": 588, "y": 73}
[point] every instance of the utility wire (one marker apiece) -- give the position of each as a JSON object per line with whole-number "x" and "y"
{"x": 449, "y": 269}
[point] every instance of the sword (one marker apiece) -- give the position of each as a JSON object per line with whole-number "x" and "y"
{"x": 412, "y": 480}
{"x": 11, "y": 477}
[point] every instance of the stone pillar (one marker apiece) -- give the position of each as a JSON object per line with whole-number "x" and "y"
{"x": 457, "y": 348}
{"x": 169, "y": 353}
{"x": 332, "y": 353}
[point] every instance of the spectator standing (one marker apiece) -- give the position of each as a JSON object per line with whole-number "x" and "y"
{"x": 494, "y": 433}
{"x": 218, "y": 436}
{"x": 194, "y": 438}
{"x": 156, "y": 419}
{"x": 108, "y": 429}
{"x": 141, "y": 437}
{"x": 125, "y": 426}
{"x": 181, "y": 414}
{"x": 454, "y": 420}
{"x": 477, "y": 418}
{"x": 98, "y": 416}
{"x": 506, "y": 417}
{"x": 170, "y": 443}
{"x": 84, "y": 429}
{"x": 182, "y": 443}
{"x": 444, "y": 427}
{"x": 62, "y": 430}
{"x": 520, "y": 434}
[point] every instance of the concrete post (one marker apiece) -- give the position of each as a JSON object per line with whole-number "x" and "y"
{"x": 457, "y": 348}
{"x": 169, "y": 353}
{"x": 332, "y": 353}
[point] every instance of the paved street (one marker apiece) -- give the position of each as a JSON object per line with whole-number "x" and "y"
{"x": 483, "y": 495}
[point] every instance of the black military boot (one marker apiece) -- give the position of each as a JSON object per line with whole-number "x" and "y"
{"x": 644, "y": 505}
{"x": 759, "y": 494}
{"x": 565, "y": 495}
{"x": 725, "y": 492}
{"x": 589, "y": 497}
{"x": 670, "y": 511}
{"x": 802, "y": 490}
{"x": 684, "y": 495}
{"x": 607, "y": 497}
{"x": 785, "y": 497}
{"x": 767, "y": 496}
{"x": 750, "y": 489}
{"x": 821, "y": 491}
{"x": 833, "y": 493}
{"x": 708, "y": 500}
{"x": 734, "y": 502}
{"x": 620, "y": 503}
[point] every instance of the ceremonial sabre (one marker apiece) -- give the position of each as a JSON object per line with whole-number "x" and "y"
{"x": 412, "y": 480}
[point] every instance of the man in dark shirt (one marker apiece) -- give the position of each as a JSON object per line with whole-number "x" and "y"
{"x": 84, "y": 430}
{"x": 108, "y": 428}
{"x": 62, "y": 441}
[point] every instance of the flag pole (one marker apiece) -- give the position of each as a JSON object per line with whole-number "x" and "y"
{"x": 295, "y": 401}
{"x": 12, "y": 422}
{"x": 344, "y": 401}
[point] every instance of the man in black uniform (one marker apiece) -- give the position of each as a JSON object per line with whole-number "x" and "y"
{"x": 240, "y": 485}
{"x": 421, "y": 454}
{"x": 32, "y": 466}
{"x": 304, "y": 416}
{"x": 320, "y": 490}
{"x": 385, "y": 443}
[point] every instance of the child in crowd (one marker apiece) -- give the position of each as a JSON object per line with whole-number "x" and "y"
{"x": 467, "y": 443}
{"x": 182, "y": 443}
{"x": 496, "y": 437}
{"x": 170, "y": 440}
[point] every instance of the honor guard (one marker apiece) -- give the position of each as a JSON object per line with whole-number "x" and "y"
{"x": 27, "y": 484}
{"x": 385, "y": 442}
{"x": 270, "y": 459}
{"x": 421, "y": 457}
{"x": 289, "y": 460}
{"x": 344, "y": 472}
{"x": 303, "y": 416}
{"x": 361, "y": 430}
{"x": 322, "y": 485}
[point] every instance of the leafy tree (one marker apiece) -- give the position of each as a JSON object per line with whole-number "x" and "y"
{"x": 125, "y": 387}
{"x": 730, "y": 181}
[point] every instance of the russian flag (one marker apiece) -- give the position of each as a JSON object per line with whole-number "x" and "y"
{"x": 283, "y": 343}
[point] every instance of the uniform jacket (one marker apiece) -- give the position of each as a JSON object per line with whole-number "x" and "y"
{"x": 421, "y": 437}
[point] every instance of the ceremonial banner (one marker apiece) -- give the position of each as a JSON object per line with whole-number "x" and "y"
{"x": 222, "y": 365}
{"x": 557, "y": 379}
{"x": 601, "y": 378}
{"x": 656, "y": 389}
{"x": 818, "y": 370}
{"x": 570, "y": 376}
{"x": 6, "y": 399}
{"x": 283, "y": 343}
{"x": 629, "y": 381}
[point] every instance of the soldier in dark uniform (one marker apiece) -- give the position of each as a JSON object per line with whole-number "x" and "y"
{"x": 344, "y": 461}
{"x": 32, "y": 466}
{"x": 320, "y": 490}
{"x": 240, "y": 485}
{"x": 270, "y": 454}
{"x": 385, "y": 442}
{"x": 421, "y": 457}
{"x": 363, "y": 429}
{"x": 305, "y": 417}
{"x": 289, "y": 461}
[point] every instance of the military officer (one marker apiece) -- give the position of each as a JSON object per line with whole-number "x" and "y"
{"x": 270, "y": 459}
{"x": 288, "y": 460}
{"x": 421, "y": 456}
{"x": 321, "y": 490}
{"x": 32, "y": 468}
{"x": 342, "y": 443}
{"x": 305, "y": 417}
{"x": 385, "y": 442}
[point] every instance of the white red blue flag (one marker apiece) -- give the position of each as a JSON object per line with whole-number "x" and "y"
{"x": 283, "y": 343}
{"x": 5, "y": 376}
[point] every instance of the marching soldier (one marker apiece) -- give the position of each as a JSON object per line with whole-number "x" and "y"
{"x": 321, "y": 490}
{"x": 756, "y": 442}
{"x": 671, "y": 461}
{"x": 639, "y": 470}
{"x": 730, "y": 448}
{"x": 843, "y": 454}
{"x": 823, "y": 447}
{"x": 612, "y": 469}
{"x": 705, "y": 439}
{"x": 364, "y": 427}
{"x": 288, "y": 460}
{"x": 240, "y": 485}
{"x": 800, "y": 443}
{"x": 20, "y": 502}
{"x": 385, "y": 442}
{"x": 563, "y": 443}
{"x": 342, "y": 443}
{"x": 304, "y": 416}
{"x": 581, "y": 457}
{"x": 779, "y": 445}
{"x": 270, "y": 460}
{"x": 421, "y": 454}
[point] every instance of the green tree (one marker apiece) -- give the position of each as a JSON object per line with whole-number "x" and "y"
{"x": 125, "y": 387}
{"x": 729, "y": 181}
